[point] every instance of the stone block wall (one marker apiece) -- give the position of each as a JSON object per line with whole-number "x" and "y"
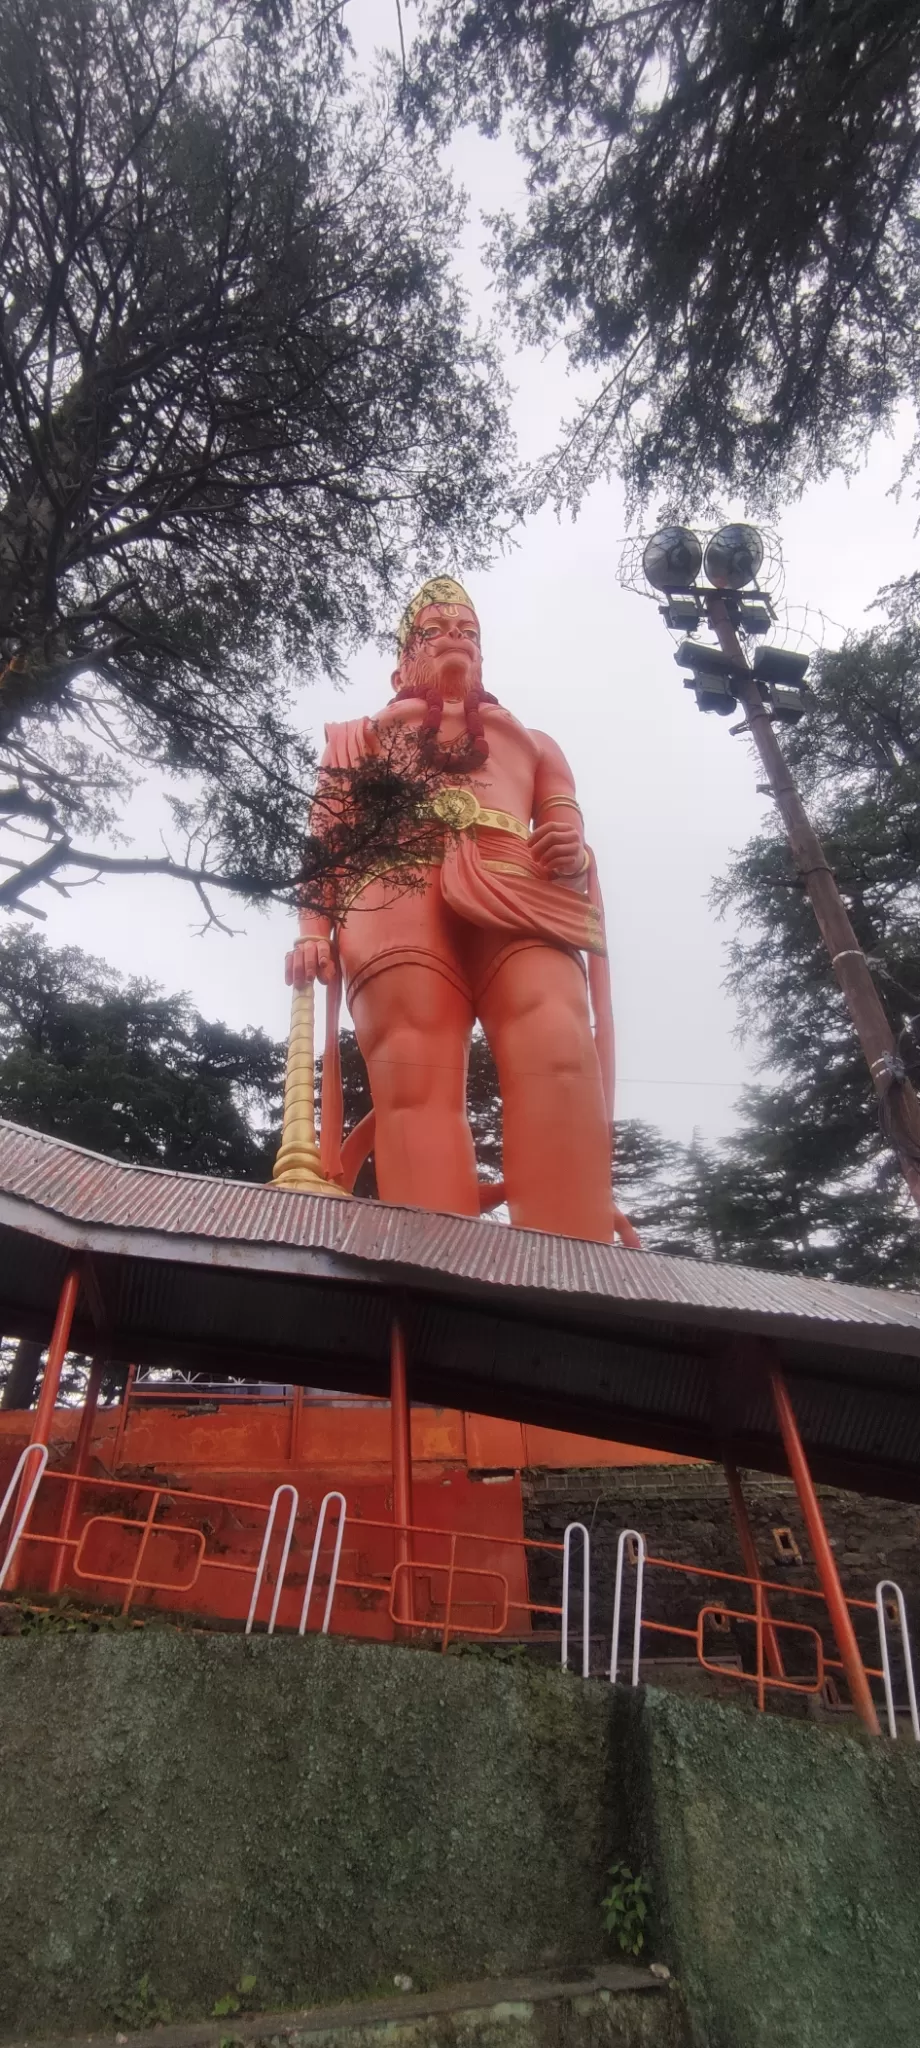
{"x": 684, "y": 1513}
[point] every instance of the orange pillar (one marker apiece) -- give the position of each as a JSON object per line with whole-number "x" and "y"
{"x": 752, "y": 1564}
{"x": 57, "y": 1349}
{"x": 824, "y": 1557}
{"x": 51, "y": 1380}
{"x": 402, "y": 1467}
{"x": 81, "y": 1460}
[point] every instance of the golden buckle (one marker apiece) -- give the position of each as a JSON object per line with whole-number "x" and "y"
{"x": 458, "y": 808}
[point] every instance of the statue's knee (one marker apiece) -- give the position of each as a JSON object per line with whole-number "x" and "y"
{"x": 407, "y": 1073}
{"x": 548, "y": 1035}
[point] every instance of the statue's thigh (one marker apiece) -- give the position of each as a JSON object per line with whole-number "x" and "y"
{"x": 388, "y": 928}
{"x": 408, "y": 993}
{"x": 535, "y": 997}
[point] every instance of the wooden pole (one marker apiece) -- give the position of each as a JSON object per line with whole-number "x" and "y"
{"x": 848, "y": 960}
{"x": 825, "y": 1560}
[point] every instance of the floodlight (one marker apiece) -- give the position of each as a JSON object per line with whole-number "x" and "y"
{"x": 714, "y": 696}
{"x": 780, "y": 665}
{"x": 787, "y": 705}
{"x": 682, "y": 615}
{"x": 754, "y": 618}
{"x": 672, "y": 559}
{"x": 733, "y": 557}
{"x": 705, "y": 660}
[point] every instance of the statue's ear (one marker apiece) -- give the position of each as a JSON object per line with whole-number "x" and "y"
{"x": 395, "y": 681}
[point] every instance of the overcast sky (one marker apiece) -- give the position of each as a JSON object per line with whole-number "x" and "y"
{"x": 666, "y": 792}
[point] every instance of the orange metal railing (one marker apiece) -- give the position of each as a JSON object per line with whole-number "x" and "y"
{"x": 84, "y": 1550}
{"x": 760, "y": 1615}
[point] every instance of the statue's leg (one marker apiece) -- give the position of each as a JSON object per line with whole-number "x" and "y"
{"x": 408, "y": 992}
{"x": 413, "y": 1025}
{"x": 557, "y": 1167}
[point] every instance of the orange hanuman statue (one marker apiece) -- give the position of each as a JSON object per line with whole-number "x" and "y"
{"x": 497, "y": 932}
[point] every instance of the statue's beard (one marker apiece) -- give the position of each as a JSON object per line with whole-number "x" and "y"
{"x": 421, "y": 679}
{"x": 423, "y": 673}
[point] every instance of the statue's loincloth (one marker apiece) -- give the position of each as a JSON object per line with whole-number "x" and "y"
{"x": 486, "y": 899}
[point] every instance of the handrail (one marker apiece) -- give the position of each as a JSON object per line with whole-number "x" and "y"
{"x": 888, "y": 1586}
{"x": 574, "y": 1529}
{"x": 26, "y": 1507}
{"x": 639, "y": 1541}
{"x": 314, "y": 1561}
{"x": 263, "y": 1556}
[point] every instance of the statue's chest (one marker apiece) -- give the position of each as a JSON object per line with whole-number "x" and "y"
{"x": 513, "y": 751}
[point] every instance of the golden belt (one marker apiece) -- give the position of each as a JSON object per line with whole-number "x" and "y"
{"x": 461, "y": 809}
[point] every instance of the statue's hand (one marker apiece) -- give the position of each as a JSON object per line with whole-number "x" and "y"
{"x": 311, "y": 960}
{"x": 558, "y": 849}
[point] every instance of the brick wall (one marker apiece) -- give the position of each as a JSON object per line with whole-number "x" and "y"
{"x": 684, "y": 1513}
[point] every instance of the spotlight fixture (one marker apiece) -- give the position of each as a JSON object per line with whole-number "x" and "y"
{"x": 705, "y": 660}
{"x": 712, "y": 676}
{"x": 733, "y": 557}
{"x": 672, "y": 559}
{"x": 754, "y": 618}
{"x": 682, "y": 614}
{"x": 780, "y": 665}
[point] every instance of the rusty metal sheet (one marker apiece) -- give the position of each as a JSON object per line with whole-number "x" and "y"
{"x": 87, "y": 1189}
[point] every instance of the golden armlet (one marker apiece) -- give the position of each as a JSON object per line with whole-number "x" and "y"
{"x": 568, "y": 803}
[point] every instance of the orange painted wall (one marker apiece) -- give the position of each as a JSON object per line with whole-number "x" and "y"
{"x": 322, "y": 1436}
{"x": 466, "y": 1479}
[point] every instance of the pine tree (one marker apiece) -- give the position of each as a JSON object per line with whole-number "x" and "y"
{"x": 241, "y": 407}
{"x": 808, "y": 1182}
{"x": 720, "y": 221}
{"x": 122, "y": 1069}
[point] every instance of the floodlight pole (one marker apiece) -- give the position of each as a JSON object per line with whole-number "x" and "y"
{"x": 847, "y": 957}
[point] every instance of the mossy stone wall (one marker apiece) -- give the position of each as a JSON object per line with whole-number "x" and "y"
{"x": 322, "y": 1814}
{"x": 178, "y": 1810}
{"x": 787, "y": 1872}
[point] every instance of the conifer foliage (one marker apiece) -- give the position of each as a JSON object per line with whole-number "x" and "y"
{"x": 125, "y": 1070}
{"x": 721, "y": 220}
{"x": 240, "y": 406}
{"x": 808, "y": 1182}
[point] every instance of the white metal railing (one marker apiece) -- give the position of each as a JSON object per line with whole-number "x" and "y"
{"x": 887, "y": 1586}
{"x": 577, "y": 1529}
{"x": 314, "y": 1561}
{"x": 40, "y": 1453}
{"x": 627, "y": 1536}
{"x": 263, "y": 1556}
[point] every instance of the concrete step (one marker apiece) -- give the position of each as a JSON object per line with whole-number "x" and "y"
{"x": 606, "y": 2005}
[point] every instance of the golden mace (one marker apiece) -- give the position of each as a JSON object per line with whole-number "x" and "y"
{"x": 298, "y": 1162}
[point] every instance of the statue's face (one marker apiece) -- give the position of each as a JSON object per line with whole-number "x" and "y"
{"x": 444, "y": 646}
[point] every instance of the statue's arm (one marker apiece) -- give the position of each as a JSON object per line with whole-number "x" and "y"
{"x": 311, "y": 957}
{"x": 558, "y": 838}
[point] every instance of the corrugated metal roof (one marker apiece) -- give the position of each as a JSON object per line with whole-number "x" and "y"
{"x": 84, "y": 1188}
{"x": 657, "y": 1351}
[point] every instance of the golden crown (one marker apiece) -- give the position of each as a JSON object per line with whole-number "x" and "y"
{"x": 438, "y": 590}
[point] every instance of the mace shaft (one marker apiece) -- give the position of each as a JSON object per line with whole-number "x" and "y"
{"x": 298, "y": 1162}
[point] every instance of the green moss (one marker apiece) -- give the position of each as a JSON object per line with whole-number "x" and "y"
{"x": 787, "y": 1867}
{"x": 189, "y": 1810}
{"x": 322, "y": 1814}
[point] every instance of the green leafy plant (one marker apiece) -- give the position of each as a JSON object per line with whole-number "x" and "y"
{"x": 234, "y": 2001}
{"x": 144, "y": 2008}
{"x": 625, "y": 1908}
